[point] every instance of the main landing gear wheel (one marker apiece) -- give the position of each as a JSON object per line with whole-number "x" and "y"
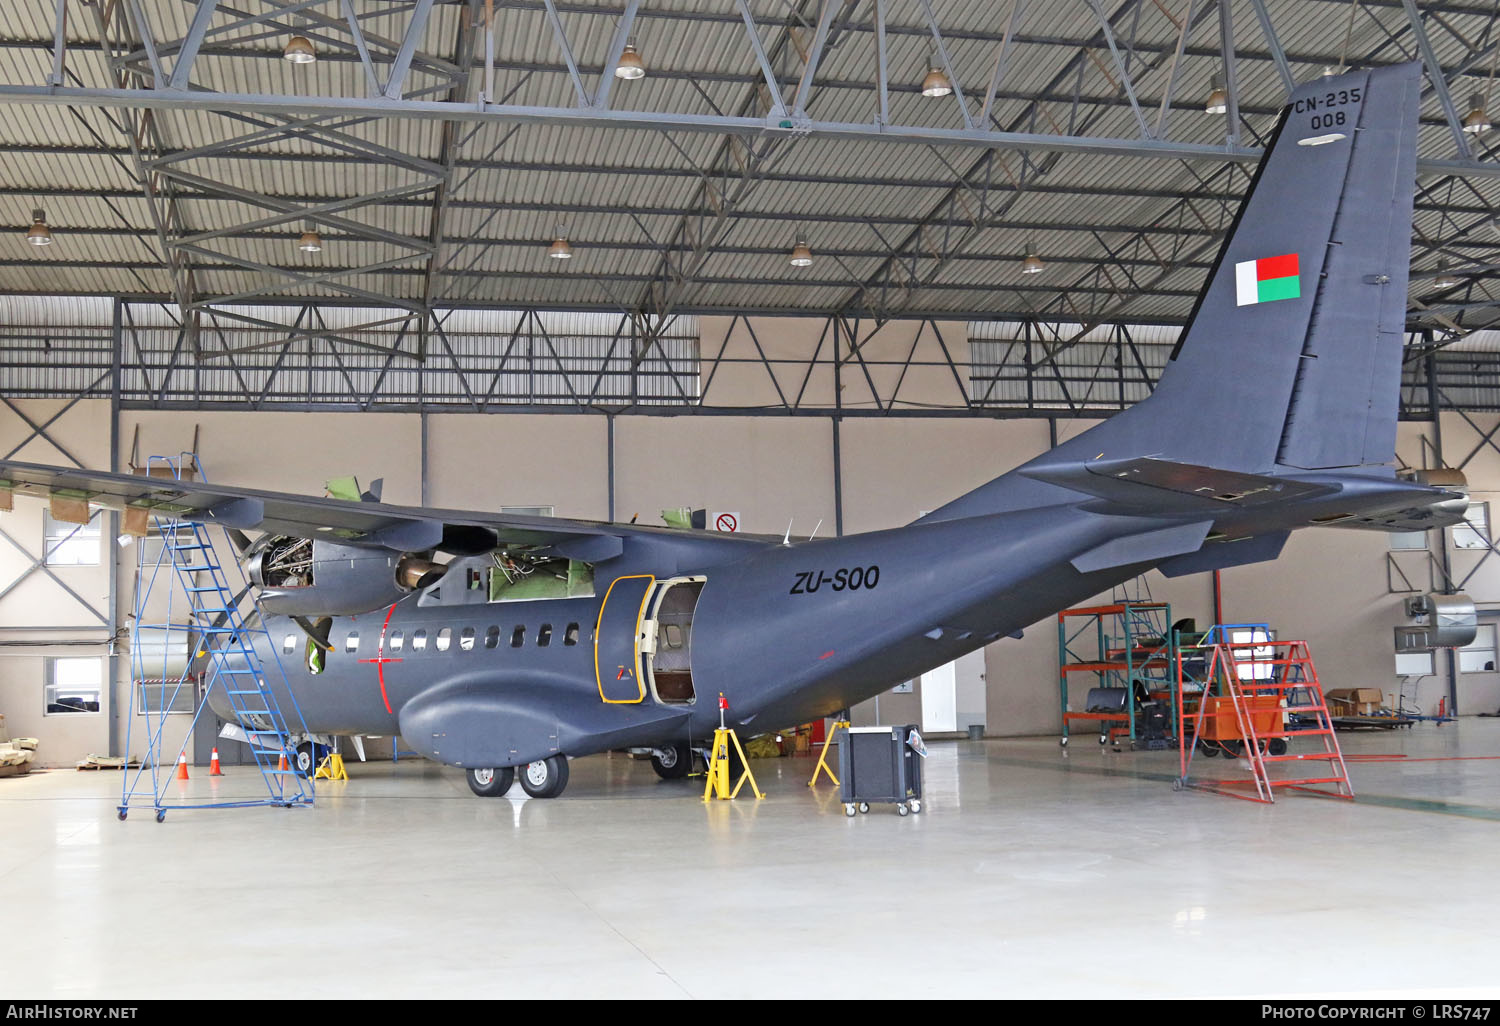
{"x": 491, "y": 783}
{"x": 305, "y": 761}
{"x": 545, "y": 778}
{"x": 672, "y": 762}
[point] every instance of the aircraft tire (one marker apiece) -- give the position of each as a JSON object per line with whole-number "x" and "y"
{"x": 306, "y": 760}
{"x": 545, "y": 778}
{"x": 490, "y": 783}
{"x": 678, "y": 761}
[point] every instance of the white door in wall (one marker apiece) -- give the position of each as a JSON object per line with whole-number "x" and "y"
{"x": 953, "y": 695}
{"x": 940, "y": 699}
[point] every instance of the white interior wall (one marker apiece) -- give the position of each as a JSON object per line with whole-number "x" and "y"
{"x": 1329, "y": 587}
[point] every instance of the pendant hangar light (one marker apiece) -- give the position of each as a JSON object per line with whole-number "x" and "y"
{"x": 39, "y": 234}
{"x": 936, "y": 83}
{"x": 801, "y": 255}
{"x": 1218, "y": 96}
{"x": 560, "y": 249}
{"x": 300, "y": 50}
{"x": 631, "y": 66}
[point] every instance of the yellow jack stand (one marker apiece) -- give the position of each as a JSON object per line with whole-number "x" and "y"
{"x": 331, "y": 768}
{"x": 822, "y": 766}
{"x": 718, "y": 768}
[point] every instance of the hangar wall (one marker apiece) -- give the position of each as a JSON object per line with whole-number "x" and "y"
{"x": 1329, "y": 586}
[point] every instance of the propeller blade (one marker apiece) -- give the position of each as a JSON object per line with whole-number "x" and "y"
{"x": 312, "y": 633}
{"x": 431, "y": 577}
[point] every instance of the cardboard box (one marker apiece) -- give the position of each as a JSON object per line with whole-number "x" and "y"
{"x": 1354, "y": 701}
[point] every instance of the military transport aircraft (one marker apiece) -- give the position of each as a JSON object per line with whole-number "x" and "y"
{"x": 495, "y": 642}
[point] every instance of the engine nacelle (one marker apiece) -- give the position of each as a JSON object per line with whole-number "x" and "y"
{"x": 315, "y": 577}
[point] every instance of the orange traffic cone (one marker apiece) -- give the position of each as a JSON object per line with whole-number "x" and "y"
{"x": 182, "y": 766}
{"x": 282, "y": 764}
{"x": 213, "y": 765}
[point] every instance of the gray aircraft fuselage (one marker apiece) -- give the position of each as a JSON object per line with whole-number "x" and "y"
{"x": 779, "y": 630}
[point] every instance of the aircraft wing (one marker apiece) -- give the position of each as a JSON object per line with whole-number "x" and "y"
{"x": 401, "y": 528}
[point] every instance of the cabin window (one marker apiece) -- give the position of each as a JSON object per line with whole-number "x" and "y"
{"x": 466, "y": 639}
{"x": 351, "y": 643}
{"x": 396, "y": 640}
{"x": 418, "y": 640}
{"x": 518, "y": 637}
{"x": 289, "y": 645}
{"x": 444, "y": 636}
{"x": 492, "y": 637}
{"x": 673, "y": 635}
{"x": 570, "y": 637}
{"x": 544, "y": 635}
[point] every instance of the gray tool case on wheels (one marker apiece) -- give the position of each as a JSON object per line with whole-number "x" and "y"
{"x": 881, "y": 764}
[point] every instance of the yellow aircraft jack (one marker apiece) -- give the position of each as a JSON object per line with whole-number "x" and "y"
{"x": 331, "y": 768}
{"x": 822, "y": 767}
{"x": 718, "y": 763}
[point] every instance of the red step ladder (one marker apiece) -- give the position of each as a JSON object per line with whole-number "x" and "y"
{"x": 1248, "y": 720}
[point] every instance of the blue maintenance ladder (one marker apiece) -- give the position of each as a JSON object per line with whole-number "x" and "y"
{"x": 216, "y": 629}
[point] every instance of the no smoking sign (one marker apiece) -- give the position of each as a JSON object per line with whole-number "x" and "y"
{"x": 729, "y": 523}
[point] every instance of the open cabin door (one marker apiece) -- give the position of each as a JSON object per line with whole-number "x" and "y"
{"x": 617, "y": 639}
{"x": 668, "y": 640}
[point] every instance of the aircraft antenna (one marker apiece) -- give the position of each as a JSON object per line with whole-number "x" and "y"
{"x": 815, "y": 531}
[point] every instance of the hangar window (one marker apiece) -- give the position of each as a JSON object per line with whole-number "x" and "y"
{"x": 466, "y": 639}
{"x": 351, "y": 643}
{"x": 544, "y": 636}
{"x": 518, "y": 637}
{"x": 396, "y": 640}
{"x": 73, "y": 684}
{"x": 1478, "y": 656}
{"x": 444, "y": 637}
{"x": 1474, "y": 532}
{"x": 68, "y": 544}
{"x": 418, "y": 640}
{"x": 492, "y": 637}
{"x": 570, "y": 637}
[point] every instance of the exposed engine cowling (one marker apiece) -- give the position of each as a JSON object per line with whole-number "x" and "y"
{"x": 314, "y": 577}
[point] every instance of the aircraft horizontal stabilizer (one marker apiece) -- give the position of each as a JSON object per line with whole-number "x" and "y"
{"x": 1145, "y": 547}
{"x": 1146, "y": 485}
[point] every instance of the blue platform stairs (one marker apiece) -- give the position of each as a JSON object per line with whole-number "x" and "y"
{"x": 188, "y": 569}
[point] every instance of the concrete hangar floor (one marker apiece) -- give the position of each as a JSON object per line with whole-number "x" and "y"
{"x": 1030, "y": 872}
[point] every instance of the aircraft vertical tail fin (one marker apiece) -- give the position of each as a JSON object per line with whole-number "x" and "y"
{"x": 1291, "y": 358}
{"x": 1292, "y": 354}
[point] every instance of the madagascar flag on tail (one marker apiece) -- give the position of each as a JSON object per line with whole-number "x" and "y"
{"x": 1260, "y": 281}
